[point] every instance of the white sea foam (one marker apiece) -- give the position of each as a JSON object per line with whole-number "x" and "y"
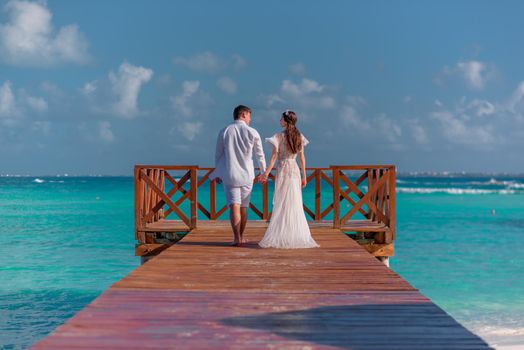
{"x": 502, "y": 338}
{"x": 501, "y": 331}
{"x": 452, "y": 190}
{"x": 38, "y": 181}
{"x": 493, "y": 182}
{"x": 516, "y": 185}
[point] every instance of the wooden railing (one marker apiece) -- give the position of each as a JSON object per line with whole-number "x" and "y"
{"x": 377, "y": 203}
{"x": 360, "y": 198}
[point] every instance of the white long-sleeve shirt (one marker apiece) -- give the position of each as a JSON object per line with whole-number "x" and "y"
{"x": 236, "y": 144}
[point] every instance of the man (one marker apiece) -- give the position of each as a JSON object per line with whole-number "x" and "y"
{"x": 236, "y": 144}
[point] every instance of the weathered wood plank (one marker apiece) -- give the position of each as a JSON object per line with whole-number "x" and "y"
{"x": 202, "y": 293}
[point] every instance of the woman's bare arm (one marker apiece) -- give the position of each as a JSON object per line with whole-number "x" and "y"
{"x": 303, "y": 168}
{"x": 271, "y": 162}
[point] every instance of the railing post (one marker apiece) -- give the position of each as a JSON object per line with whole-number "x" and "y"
{"x": 371, "y": 180}
{"x": 163, "y": 189}
{"x": 212, "y": 199}
{"x": 155, "y": 196}
{"x": 392, "y": 201}
{"x": 193, "y": 197}
{"x": 265, "y": 201}
{"x": 336, "y": 197}
{"x": 137, "y": 200}
{"x": 317, "y": 194}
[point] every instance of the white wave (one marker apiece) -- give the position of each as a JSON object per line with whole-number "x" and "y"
{"x": 516, "y": 185}
{"x": 38, "y": 181}
{"x": 494, "y": 182}
{"x": 452, "y": 190}
{"x": 501, "y": 331}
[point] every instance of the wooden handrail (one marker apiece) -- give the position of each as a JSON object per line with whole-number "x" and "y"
{"x": 360, "y": 167}
{"x": 168, "y": 167}
{"x": 369, "y": 195}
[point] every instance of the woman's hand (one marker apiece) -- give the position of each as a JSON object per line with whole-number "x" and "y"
{"x": 304, "y": 182}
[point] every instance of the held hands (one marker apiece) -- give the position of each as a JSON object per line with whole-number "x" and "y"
{"x": 218, "y": 180}
{"x": 262, "y": 178}
{"x": 304, "y": 182}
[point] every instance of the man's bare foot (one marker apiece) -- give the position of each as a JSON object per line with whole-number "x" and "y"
{"x": 244, "y": 240}
{"x": 235, "y": 243}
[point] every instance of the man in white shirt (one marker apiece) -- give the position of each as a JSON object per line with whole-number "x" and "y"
{"x": 236, "y": 144}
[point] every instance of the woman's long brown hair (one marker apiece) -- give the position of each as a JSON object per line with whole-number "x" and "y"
{"x": 293, "y": 136}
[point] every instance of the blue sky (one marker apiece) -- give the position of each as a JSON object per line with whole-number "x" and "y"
{"x": 94, "y": 87}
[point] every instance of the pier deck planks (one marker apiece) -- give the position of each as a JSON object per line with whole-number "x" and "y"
{"x": 201, "y": 293}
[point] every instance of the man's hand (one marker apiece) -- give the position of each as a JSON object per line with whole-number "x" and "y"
{"x": 262, "y": 178}
{"x": 218, "y": 180}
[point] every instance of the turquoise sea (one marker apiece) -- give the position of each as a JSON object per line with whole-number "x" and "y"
{"x": 64, "y": 240}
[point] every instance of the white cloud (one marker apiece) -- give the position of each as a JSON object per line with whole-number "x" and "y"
{"x": 459, "y": 129}
{"x": 482, "y": 107}
{"x": 14, "y": 106}
{"x": 89, "y": 88}
{"x": 208, "y": 62}
{"x": 306, "y": 86}
{"x": 350, "y": 115}
{"x": 104, "y": 131}
{"x": 126, "y": 84}
{"x": 8, "y": 106}
{"x": 475, "y": 73}
{"x": 308, "y": 98}
{"x": 29, "y": 39}
{"x": 418, "y": 132}
{"x": 202, "y": 62}
{"x": 37, "y": 103}
{"x": 388, "y": 127}
{"x": 298, "y": 68}
{"x": 227, "y": 85}
{"x": 180, "y": 102}
{"x": 273, "y": 100}
{"x": 190, "y": 130}
{"x": 352, "y": 118}
{"x": 516, "y": 98}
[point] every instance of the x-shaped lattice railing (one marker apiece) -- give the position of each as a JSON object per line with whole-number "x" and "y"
{"x": 376, "y": 204}
{"x": 379, "y": 197}
{"x": 150, "y": 195}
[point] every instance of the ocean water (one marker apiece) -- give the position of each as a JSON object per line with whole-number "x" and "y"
{"x": 64, "y": 240}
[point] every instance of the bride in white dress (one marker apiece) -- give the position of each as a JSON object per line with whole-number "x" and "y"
{"x": 288, "y": 227}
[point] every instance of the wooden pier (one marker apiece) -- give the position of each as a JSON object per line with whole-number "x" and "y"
{"x": 201, "y": 293}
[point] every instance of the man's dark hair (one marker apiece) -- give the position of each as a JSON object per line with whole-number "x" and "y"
{"x": 239, "y": 109}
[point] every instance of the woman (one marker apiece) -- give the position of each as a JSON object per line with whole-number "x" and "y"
{"x": 288, "y": 227}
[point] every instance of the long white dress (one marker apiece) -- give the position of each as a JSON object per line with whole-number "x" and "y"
{"x": 288, "y": 227}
